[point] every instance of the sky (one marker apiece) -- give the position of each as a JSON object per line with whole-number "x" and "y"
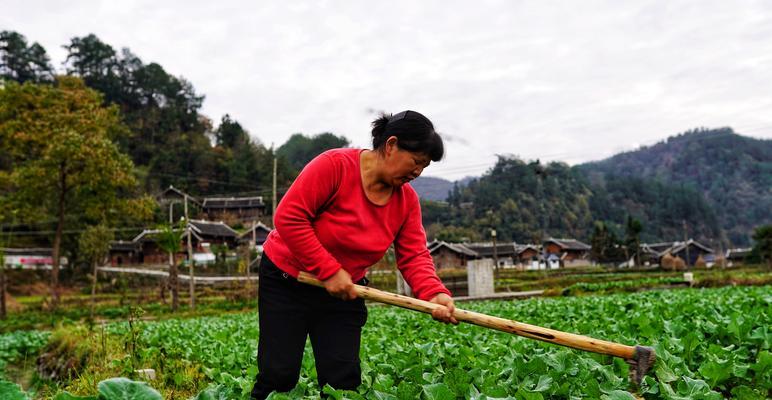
{"x": 570, "y": 81}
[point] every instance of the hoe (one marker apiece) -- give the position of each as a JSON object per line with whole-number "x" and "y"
{"x": 640, "y": 358}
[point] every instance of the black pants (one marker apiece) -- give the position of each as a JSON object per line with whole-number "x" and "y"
{"x": 290, "y": 311}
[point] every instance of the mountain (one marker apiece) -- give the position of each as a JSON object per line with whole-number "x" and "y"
{"x": 733, "y": 174}
{"x": 525, "y": 201}
{"x": 436, "y": 189}
{"x": 710, "y": 184}
{"x": 431, "y": 188}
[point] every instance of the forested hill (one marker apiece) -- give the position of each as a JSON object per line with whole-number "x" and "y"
{"x": 732, "y": 172}
{"x": 524, "y": 201}
{"x": 168, "y": 139}
{"x": 713, "y": 185}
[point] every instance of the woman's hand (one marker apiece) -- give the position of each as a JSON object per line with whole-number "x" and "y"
{"x": 341, "y": 286}
{"x": 444, "y": 314}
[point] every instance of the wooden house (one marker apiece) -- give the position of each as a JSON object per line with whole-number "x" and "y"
{"x": 736, "y": 257}
{"x": 259, "y": 233}
{"x": 566, "y": 252}
{"x": 450, "y": 255}
{"x": 527, "y": 256}
{"x": 233, "y": 209}
{"x": 203, "y": 233}
{"x": 504, "y": 252}
{"x": 689, "y": 251}
{"x": 125, "y": 252}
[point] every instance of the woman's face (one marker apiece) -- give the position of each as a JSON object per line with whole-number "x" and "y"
{"x": 403, "y": 166}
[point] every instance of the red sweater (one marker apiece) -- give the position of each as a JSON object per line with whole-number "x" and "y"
{"x": 326, "y": 222}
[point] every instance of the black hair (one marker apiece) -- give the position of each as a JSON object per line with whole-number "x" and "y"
{"x": 414, "y": 132}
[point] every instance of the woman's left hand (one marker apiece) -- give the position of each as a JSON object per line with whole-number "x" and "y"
{"x": 444, "y": 314}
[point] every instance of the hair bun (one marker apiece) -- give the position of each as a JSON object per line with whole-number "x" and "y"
{"x": 414, "y": 131}
{"x": 379, "y": 125}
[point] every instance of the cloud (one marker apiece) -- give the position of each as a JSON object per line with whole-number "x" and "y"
{"x": 571, "y": 81}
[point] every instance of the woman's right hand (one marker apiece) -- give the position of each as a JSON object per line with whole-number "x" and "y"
{"x": 341, "y": 286}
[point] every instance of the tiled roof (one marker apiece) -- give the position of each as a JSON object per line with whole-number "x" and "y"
{"x": 258, "y": 227}
{"x": 233, "y": 202}
{"x": 486, "y": 249}
{"x": 212, "y": 229}
{"x": 569, "y": 244}
{"x": 454, "y": 247}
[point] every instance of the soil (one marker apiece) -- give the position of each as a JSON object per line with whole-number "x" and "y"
{"x": 11, "y": 304}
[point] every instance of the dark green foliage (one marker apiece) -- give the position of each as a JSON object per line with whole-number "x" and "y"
{"x": 633, "y": 239}
{"x": 524, "y": 201}
{"x": 170, "y": 139}
{"x": 661, "y": 207}
{"x": 301, "y": 149}
{"x": 22, "y": 63}
{"x": 528, "y": 201}
{"x": 762, "y": 247}
{"x": 156, "y": 106}
{"x": 732, "y": 173}
{"x": 605, "y": 246}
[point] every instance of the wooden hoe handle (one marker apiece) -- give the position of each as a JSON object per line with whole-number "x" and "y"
{"x": 518, "y": 328}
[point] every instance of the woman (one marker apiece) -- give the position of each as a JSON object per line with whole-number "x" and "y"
{"x": 339, "y": 217}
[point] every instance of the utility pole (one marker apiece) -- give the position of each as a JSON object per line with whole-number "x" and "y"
{"x": 495, "y": 252}
{"x": 252, "y": 245}
{"x": 273, "y": 211}
{"x": 686, "y": 244}
{"x": 722, "y": 255}
{"x": 3, "y": 310}
{"x": 191, "y": 284}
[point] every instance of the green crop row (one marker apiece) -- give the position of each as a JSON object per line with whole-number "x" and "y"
{"x": 616, "y": 285}
{"x": 710, "y": 343}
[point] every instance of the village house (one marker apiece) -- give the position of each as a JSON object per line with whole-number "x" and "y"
{"x": 689, "y": 251}
{"x": 456, "y": 255}
{"x": 450, "y": 255}
{"x": 651, "y": 253}
{"x": 173, "y": 196}
{"x": 566, "y": 252}
{"x": 504, "y": 252}
{"x": 125, "y": 252}
{"x": 259, "y": 233}
{"x": 528, "y": 256}
{"x": 736, "y": 257}
{"x": 233, "y": 209}
{"x": 203, "y": 235}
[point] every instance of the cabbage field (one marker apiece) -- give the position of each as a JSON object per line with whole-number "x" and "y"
{"x": 711, "y": 344}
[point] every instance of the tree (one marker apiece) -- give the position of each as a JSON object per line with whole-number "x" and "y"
{"x": 633, "y": 229}
{"x": 300, "y": 149}
{"x": 22, "y": 63}
{"x": 762, "y": 247}
{"x": 169, "y": 239}
{"x": 61, "y": 162}
{"x": 600, "y": 243}
{"x": 95, "y": 246}
{"x": 157, "y": 107}
{"x": 230, "y": 134}
{"x": 605, "y": 246}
